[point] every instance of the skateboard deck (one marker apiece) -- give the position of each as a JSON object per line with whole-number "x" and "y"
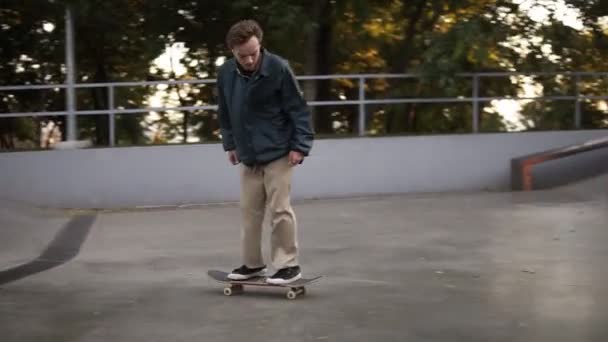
{"x": 296, "y": 288}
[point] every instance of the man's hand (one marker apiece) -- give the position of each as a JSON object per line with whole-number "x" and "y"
{"x": 233, "y": 158}
{"x": 295, "y": 158}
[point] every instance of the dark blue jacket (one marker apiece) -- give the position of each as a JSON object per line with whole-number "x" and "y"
{"x": 263, "y": 116}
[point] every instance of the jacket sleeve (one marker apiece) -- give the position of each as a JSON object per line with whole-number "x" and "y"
{"x": 295, "y": 106}
{"x": 224, "y": 119}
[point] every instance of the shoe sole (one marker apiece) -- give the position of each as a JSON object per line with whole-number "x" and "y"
{"x": 283, "y": 281}
{"x": 235, "y": 276}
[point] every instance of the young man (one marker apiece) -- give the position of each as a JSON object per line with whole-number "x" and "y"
{"x": 265, "y": 125}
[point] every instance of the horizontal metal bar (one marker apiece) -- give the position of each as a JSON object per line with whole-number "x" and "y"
{"x": 106, "y": 111}
{"x": 165, "y": 109}
{"x": 468, "y": 74}
{"x": 449, "y": 100}
{"x": 593, "y": 97}
{"x": 300, "y": 77}
{"x": 199, "y": 81}
{"x": 310, "y": 103}
{"x": 388, "y": 101}
{"x": 33, "y": 87}
{"x": 145, "y": 83}
{"x": 540, "y": 73}
{"x": 468, "y": 99}
{"x": 425, "y": 100}
{"x": 32, "y": 114}
{"x": 520, "y": 98}
{"x": 333, "y": 103}
{"x": 108, "y": 84}
{"x": 559, "y": 98}
{"x": 354, "y": 76}
{"x": 146, "y": 110}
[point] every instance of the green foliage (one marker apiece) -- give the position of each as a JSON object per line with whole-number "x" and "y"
{"x": 119, "y": 40}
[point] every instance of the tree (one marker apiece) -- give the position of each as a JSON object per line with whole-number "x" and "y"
{"x": 30, "y": 53}
{"x": 438, "y": 40}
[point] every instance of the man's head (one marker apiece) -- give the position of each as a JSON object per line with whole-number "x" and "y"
{"x": 244, "y": 39}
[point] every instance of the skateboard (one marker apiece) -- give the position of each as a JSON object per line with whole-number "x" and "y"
{"x": 296, "y": 288}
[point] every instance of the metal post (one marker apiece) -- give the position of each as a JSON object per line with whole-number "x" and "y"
{"x": 577, "y": 105}
{"x": 475, "y": 103}
{"x": 361, "y": 106}
{"x": 112, "y": 138}
{"x": 70, "y": 72}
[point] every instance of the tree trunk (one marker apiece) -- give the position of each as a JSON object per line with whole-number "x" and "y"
{"x": 7, "y": 140}
{"x": 404, "y": 50}
{"x": 320, "y": 62}
{"x": 403, "y": 117}
{"x": 310, "y": 67}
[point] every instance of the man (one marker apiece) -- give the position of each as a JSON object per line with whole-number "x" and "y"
{"x": 265, "y": 125}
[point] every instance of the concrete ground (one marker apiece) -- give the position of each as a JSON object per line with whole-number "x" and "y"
{"x": 434, "y": 267}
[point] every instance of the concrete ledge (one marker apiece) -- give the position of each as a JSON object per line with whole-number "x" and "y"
{"x": 584, "y": 160}
{"x": 194, "y": 174}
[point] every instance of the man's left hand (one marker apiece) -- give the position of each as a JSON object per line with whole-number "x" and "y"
{"x": 295, "y": 158}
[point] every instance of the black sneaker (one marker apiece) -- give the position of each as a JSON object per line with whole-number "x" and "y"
{"x": 285, "y": 276}
{"x": 244, "y": 272}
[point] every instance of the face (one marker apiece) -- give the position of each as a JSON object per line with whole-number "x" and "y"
{"x": 248, "y": 54}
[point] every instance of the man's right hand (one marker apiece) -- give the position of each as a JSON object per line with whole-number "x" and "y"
{"x": 233, "y": 158}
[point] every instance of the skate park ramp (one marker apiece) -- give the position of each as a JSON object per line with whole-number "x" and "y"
{"x": 560, "y": 166}
{"x": 592, "y": 189}
{"x": 26, "y": 231}
{"x": 499, "y": 266}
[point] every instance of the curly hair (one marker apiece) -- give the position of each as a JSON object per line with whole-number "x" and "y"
{"x": 242, "y": 31}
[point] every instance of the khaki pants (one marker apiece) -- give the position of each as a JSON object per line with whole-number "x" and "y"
{"x": 267, "y": 188}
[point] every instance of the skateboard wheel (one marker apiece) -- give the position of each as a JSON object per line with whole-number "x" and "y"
{"x": 233, "y": 289}
{"x": 296, "y": 291}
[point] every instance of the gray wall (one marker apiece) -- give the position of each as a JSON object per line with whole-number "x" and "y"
{"x": 191, "y": 174}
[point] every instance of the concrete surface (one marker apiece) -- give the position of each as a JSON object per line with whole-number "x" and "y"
{"x": 433, "y": 267}
{"x": 26, "y": 231}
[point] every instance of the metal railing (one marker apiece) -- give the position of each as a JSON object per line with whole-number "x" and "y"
{"x": 361, "y": 101}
